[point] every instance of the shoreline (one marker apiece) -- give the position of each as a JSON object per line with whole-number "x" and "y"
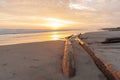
{"x": 10, "y": 39}
{"x": 23, "y": 43}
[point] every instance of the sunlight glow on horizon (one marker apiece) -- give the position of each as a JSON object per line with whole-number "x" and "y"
{"x": 55, "y": 36}
{"x": 55, "y": 23}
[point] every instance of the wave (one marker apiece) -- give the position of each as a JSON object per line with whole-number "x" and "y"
{"x": 24, "y": 31}
{"x": 21, "y": 31}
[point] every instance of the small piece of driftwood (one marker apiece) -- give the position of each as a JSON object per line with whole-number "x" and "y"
{"x": 68, "y": 37}
{"x": 112, "y": 40}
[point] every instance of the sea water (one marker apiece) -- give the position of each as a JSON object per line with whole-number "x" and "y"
{"x": 10, "y": 37}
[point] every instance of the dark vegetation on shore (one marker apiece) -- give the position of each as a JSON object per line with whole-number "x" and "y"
{"x": 114, "y": 39}
{"x": 112, "y": 29}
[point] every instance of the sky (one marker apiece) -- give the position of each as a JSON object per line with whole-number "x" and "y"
{"x": 63, "y": 14}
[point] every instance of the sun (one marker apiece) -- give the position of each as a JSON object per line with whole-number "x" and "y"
{"x": 54, "y": 25}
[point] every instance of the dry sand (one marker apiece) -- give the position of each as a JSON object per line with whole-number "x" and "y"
{"x": 109, "y": 53}
{"x": 32, "y": 61}
{"x": 85, "y": 67}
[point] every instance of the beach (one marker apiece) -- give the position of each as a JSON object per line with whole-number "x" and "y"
{"x": 43, "y": 60}
{"x": 59, "y": 40}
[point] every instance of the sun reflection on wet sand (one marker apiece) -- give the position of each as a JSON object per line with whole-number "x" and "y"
{"x": 55, "y": 36}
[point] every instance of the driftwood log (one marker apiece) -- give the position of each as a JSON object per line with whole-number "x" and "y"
{"x": 68, "y": 64}
{"x": 112, "y": 40}
{"x": 107, "y": 70}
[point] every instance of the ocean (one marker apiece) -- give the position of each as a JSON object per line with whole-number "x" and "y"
{"x": 18, "y": 36}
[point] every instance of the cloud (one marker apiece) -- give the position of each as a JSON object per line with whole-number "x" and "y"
{"x": 94, "y": 12}
{"x": 81, "y": 7}
{"x": 34, "y": 7}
